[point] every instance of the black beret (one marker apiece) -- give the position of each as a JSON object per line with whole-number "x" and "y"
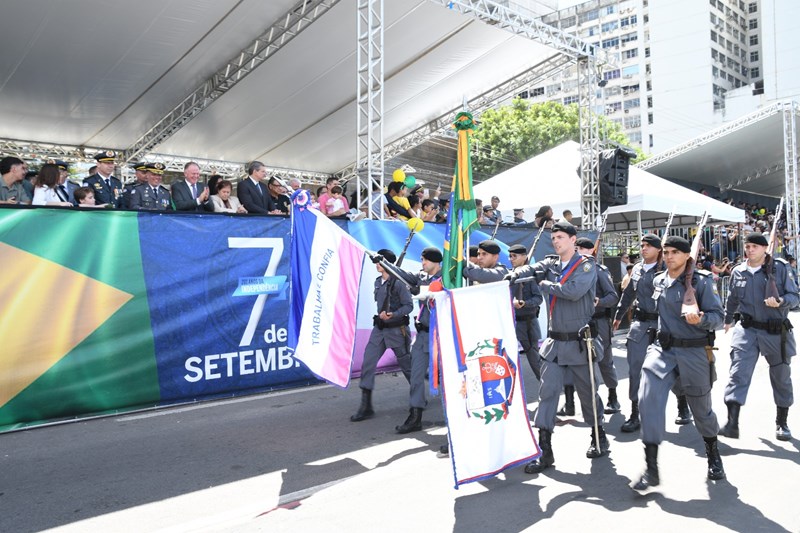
{"x": 653, "y": 240}
{"x": 517, "y": 249}
{"x": 679, "y": 243}
{"x": 756, "y": 238}
{"x": 564, "y": 226}
{"x": 583, "y": 242}
{"x": 431, "y": 253}
{"x": 489, "y": 246}
{"x": 388, "y": 255}
{"x": 106, "y": 156}
{"x": 473, "y": 250}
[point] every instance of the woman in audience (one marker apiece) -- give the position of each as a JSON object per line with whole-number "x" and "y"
{"x": 223, "y": 201}
{"x": 46, "y": 191}
{"x": 414, "y": 206}
{"x": 429, "y": 210}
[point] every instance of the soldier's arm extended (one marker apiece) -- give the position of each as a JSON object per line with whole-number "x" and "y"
{"x": 709, "y": 302}
{"x": 484, "y": 275}
{"x": 581, "y": 281}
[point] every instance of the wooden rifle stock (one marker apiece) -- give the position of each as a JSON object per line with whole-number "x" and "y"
{"x": 769, "y": 261}
{"x": 689, "y": 296}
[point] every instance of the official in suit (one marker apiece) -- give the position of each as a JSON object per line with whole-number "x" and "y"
{"x": 65, "y": 188}
{"x": 152, "y": 196}
{"x": 190, "y": 194}
{"x": 107, "y": 189}
{"x": 253, "y": 193}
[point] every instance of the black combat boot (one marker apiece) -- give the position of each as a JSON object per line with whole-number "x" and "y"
{"x": 782, "y": 432}
{"x": 632, "y": 424}
{"x": 412, "y": 423}
{"x": 684, "y": 414}
{"x": 731, "y": 429}
{"x": 568, "y": 409}
{"x": 715, "y": 470}
{"x": 444, "y": 451}
{"x": 365, "y": 409}
{"x": 650, "y": 476}
{"x": 593, "y": 452}
{"x": 546, "y": 459}
{"x": 612, "y": 406}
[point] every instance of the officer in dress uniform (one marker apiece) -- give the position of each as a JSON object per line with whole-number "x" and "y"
{"x": 568, "y": 280}
{"x": 420, "y": 353}
{"x": 141, "y": 178}
{"x": 639, "y": 294}
{"x": 152, "y": 196}
{"x": 107, "y": 189}
{"x": 763, "y": 327}
{"x": 527, "y": 300}
{"x": 606, "y": 300}
{"x": 487, "y": 268}
{"x": 390, "y": 331}
{"x": 683, "y": 348}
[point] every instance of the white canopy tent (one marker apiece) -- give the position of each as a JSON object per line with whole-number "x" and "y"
{"x": 551, "y": 178}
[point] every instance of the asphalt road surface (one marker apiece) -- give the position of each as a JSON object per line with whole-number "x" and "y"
{"x": 292, "y": 461}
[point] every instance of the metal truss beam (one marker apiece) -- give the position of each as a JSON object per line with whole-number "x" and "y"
{"x": 758, "y": 173}
{"x": 369, "y": 121}
{"x": 790, "y": 111}
{"x": 479, "y": 104}
{"x": 513, "y": 20}
{"x": 711, "y": 136}
{"x": 590, "y": 143}
{"x": 291, "y": 24}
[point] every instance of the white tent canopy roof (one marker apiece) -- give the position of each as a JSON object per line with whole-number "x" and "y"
{"x": 100, "y": 73}
{"x": 551, "y": 178}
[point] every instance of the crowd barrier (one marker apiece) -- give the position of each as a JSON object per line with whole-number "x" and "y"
{"x": 112, "y": 311}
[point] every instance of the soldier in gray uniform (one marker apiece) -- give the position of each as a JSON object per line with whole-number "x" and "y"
{"x": 487, "y": 268}
{"x": 639, "y": 294}
{"x": 763, "y": 327}
{"x": 527, "y": 300}
{"x": 420, "y": 353}
{"x": 568, "y": 280}
{"x": 141, "y": 178}
{"x": 390, "y": 331}
{"x": 606, "y": 299}
{"x": 152, "y": 196}
{"x": 683, "y": 350}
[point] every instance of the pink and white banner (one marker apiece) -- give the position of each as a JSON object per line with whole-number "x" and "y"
{"x": 484, "y": 399}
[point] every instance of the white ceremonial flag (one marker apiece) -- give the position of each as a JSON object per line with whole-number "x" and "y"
{"x": 484, "y": 399}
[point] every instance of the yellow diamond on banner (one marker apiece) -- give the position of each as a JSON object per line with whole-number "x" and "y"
{"x": 47, "y": 310}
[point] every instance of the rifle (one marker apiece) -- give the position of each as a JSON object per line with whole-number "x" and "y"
{"x": 600, "y": 231}
{"x": 666, "y": 234}
{"x": 689, "y": 297}
{"x": 415, "y": 225}
{"x": 497, "y": 225}
{"x": 769, "y": 261}
{"x": 533, "y": 246}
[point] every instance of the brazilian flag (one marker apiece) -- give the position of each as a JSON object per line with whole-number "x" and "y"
{"x": 75, "y": 322}
{"x": 462, "y": 218}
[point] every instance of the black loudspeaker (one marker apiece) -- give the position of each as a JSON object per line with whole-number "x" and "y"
{"x": 613, "y": 173}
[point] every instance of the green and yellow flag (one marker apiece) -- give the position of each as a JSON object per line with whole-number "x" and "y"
{"x": 462, "y": 217}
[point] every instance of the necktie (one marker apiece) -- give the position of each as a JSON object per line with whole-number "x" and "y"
{"x": 64, "y": 196}
{"x": 155, "y": 193}
{"x": 108, "y": 182}
{"x": 194, "y": 191}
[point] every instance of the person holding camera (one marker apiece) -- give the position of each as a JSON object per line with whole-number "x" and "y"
{"x": 390, "y": 330}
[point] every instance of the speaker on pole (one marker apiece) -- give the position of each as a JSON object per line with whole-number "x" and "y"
{"x": 613, "y": 173}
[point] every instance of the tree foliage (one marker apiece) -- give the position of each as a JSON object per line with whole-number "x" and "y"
{"x": 509, "y": 135}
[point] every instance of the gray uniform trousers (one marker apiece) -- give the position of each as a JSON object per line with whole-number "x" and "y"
{"x": 420, "y": 357}
{"x": 660, "y": 371}
{"x": 745, "y": 347}
{"x": 607, "y": 369}
{"x": 552, "y": 383}
{"x": 528, "y": 335}
{"x": 637, "y": 343}
{"x": 380, "y": 340}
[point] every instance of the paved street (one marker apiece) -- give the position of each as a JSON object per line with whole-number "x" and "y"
{"x": 292, "y": 461}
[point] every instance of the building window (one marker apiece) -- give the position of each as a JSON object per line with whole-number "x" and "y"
{"x": 754, "y": 56}
{"x": 713, "y": 36}
{"x": 628, "y": 54}
{"x": 629, "y": 37}
{"x": 752, "y": 7}
{"x": 570, "y": 100}
{"x": 613, "y": 107}
{"x": 753, "y": 40}
{"x": 631, "y": 104}
{"x": 627, "y": 21}
{"x": 649, "y": 102}
{"x": 611, "y": 74}
{"x": 631, "y": 71}
{"x": 635, "y": 137}
{"x": 537, "y": 91}
{"x": 649, "y": 118}
{"x": 633, "y": 122}
{"x": 569, "y": 22}
{"x": 651, "y": 140}
{"x": 608, "y": 43}
{"x": 589, "y": 15}
{"x": 713, "y": 18}
{"x": 647, "y": 52}
{"x": 753, "y": 24}
{"x": 714, "y": 54}
{"x": 715, "y": 72}
{"x": 755, "y": 72}
{"x": 609, "y": 26}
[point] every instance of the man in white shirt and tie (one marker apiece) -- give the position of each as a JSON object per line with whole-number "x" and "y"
{"x": 189, "y": 195}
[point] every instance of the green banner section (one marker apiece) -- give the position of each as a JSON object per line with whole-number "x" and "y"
{"x": 75, "y": 322}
